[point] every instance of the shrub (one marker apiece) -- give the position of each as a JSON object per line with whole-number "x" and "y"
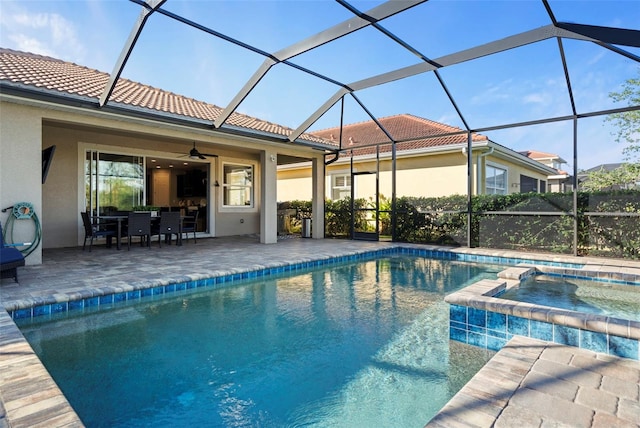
{"x": 607, "y": 222}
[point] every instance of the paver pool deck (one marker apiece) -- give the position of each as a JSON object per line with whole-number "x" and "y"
{"x": 527, "y": 383}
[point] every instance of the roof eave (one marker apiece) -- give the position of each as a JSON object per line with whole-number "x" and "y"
{"x": 91, "y": 104}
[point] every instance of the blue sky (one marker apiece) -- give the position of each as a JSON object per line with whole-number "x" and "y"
{"x": 518, "y": 85}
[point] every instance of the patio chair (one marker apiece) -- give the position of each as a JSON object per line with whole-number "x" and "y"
{"x": 139, "y": 224}
{"x": 168, "y": 226}
{"x": 10, "y": 259}
{"x": 96, "y": 230}
{"x": 190, "y": 225}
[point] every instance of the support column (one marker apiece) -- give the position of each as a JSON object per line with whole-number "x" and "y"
{"x": 20, "y": 166}
{"x": 318, "y": 183}
{"x": 268, "y": 197}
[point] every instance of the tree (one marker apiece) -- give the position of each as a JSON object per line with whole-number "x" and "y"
{"x": 628, "y": 122}
{"x": 627, "y": 132}
{"x": 626, "y": 176}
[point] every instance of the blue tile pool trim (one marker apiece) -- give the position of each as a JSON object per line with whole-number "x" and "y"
{"x": 492, "y": 330}
{"x": 106, "y": 297}
{"x": 585, "y": 277}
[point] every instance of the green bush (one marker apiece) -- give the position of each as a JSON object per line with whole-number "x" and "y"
{"x": 338, "y": 217}
{"x": 443, "y": 220}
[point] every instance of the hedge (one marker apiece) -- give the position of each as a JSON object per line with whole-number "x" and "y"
{"x": 608, "y": 223}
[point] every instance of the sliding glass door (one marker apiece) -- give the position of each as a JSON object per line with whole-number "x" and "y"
{"x": 113, "y": 182}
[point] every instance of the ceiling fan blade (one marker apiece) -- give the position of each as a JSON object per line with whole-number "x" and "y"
{"x": 195, "y": 154}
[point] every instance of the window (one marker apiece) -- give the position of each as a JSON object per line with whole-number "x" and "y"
{"x": 237, "y": 185}
{"x": 496, "y": 180}
{"x": 528, "y": 184}
{"x": 113, "y": 182}
{"x": 340, "y": 186}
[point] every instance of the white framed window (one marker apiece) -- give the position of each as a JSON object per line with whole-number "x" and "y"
{"x": 237, "y": 185}
{"x": 340, "y": 186}
{"x": 495, "y": 182}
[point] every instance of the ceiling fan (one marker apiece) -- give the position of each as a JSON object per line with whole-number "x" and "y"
{"x": 195, "y": 154}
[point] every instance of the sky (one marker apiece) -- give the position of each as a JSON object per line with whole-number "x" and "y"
{"x": 522, "y": 84}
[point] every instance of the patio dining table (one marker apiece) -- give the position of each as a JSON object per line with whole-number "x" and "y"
{"x": 123, "y": 219}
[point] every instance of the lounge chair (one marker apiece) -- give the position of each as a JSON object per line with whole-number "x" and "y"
{"x": 10, "y": 259}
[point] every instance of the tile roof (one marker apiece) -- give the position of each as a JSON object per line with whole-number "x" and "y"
{"x": 401, "y": 127}
{"x": 51, "y": 74}
{"x": 534, "y": 154}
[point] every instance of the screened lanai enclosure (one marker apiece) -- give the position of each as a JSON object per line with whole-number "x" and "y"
{"x": 506, "y": 115}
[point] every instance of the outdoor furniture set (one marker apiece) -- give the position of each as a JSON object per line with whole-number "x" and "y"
{"x": 138, "y": 224}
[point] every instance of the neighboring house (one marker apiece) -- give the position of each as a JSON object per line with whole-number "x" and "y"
{"x": 134, "y": 150}
{"x": 559, "y": 182}
{"x": 425, "y": 166}
{"x": 583, "y": 176}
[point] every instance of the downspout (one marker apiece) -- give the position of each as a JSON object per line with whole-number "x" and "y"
{"x": 336, "y": 156}
{"x": 478, "y": 170}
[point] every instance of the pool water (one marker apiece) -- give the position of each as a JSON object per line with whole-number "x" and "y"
{"x": 619, "y": 301}
{"x": 351, "y": 345}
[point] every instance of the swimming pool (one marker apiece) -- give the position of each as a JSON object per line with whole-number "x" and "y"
{"x": 615, "y": 300}
{"x": 352, "y": 344}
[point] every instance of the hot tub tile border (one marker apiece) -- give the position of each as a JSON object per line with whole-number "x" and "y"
{"x": 589, "y": 331}
{"x": 497, "y": 329}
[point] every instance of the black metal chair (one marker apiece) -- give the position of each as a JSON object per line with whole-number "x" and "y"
{"x": 10, "y": 259}
{"x": 169, "y": 225}
{"x": 139, "y": 224}
{"x": 190, "y": 225}
{"x": 96, "y": 230}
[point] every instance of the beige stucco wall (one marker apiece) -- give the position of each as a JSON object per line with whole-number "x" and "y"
{"x": 294, "y": 184}
{"x": 423, "y": 176}
{"x": 432, "y": 175}
{"x": 20, "y": 169}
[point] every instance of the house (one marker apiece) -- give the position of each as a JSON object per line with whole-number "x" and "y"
{"x": 431, "y": 161}
{"x": 146, "y": 146}
{"x": 559, "y": 182}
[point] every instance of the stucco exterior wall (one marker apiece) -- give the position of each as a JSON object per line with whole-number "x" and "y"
{"x": 21, "y": 169}
{"x": 421, "y": 176}
{"x": 294, "y": 184}
{"x": 432, "y": 175}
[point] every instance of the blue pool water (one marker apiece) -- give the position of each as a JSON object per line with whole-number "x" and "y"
{"x": 615, "y": 300}
{"x": 353, "y": 345}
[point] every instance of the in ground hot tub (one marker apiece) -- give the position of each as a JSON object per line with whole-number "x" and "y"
{"x": 485, "y": 315}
